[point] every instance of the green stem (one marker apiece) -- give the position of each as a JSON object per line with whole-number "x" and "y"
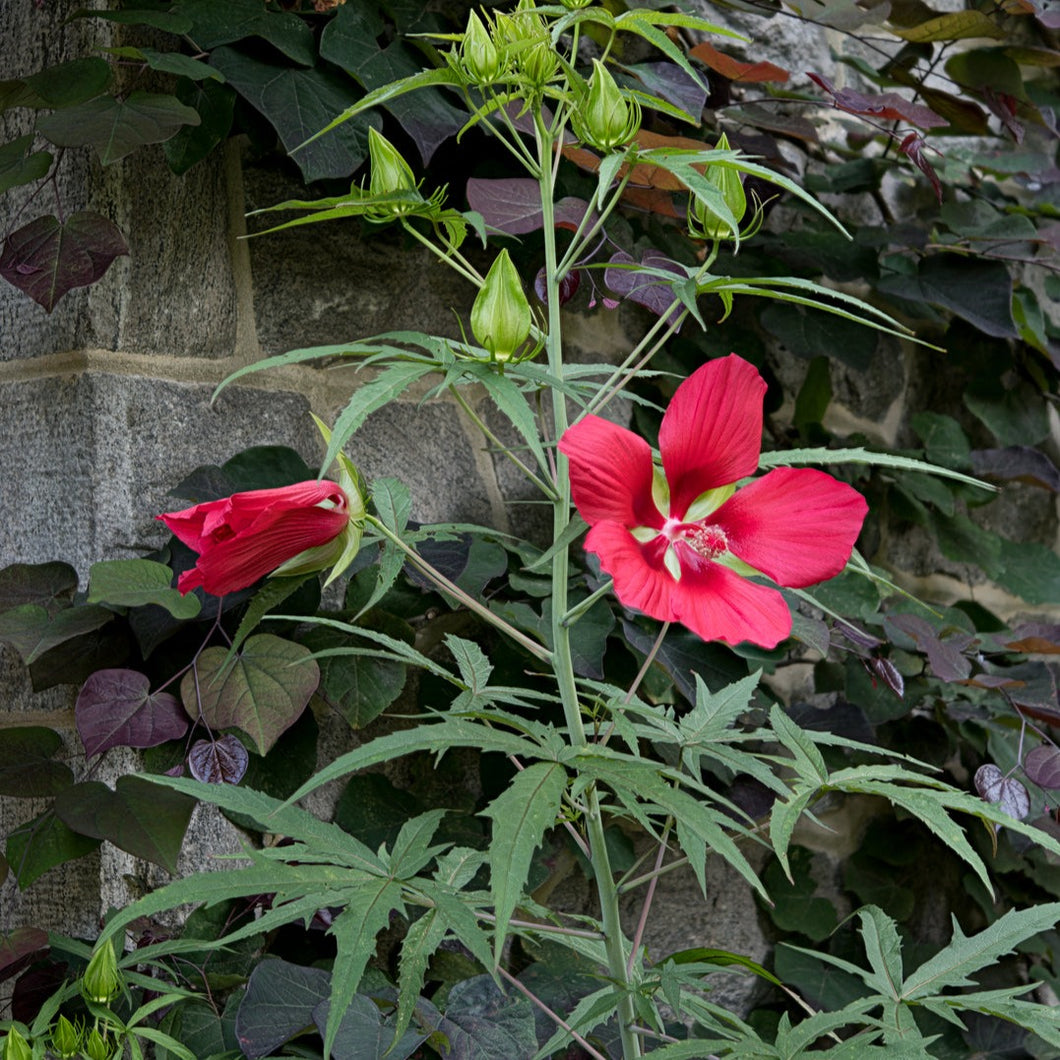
{"x": 562, "y": 660}
{"x": 477, "y": 420}
{"x": 578, "y": 610}
{"x": 454, "y": 590}
{"x": 452, "y": 258}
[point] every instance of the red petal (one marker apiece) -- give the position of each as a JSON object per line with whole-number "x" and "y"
{"x": 797, "y": 526}
{"x": 610, "y": 473}
{"x": 717, "y": 604}
{"x": 641, "y": 580}
{"x": 240, "y": 560}
{"x": 711, "y": 433}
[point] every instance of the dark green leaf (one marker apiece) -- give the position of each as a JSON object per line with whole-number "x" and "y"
{"x": 117, "y": 127}
{"x": 480, "y": 1021}
{"x": 263, "y": 691}
{"x": 944, "y": 441}
{"x": 1029, "y": 570}
{"x": 142, "y": 818}
{"x": 48, "y": 258}
{"x": 363, "y": 1035}
{"x": 31, "y": 631}
{"x": 136, "y": 582}
{"x": 373, "y": 810}
{"x": 215, "y": 105}
{"x": 278, "y": 1004}
{"x": 50, "y": 585}
{"x": 298, "y": 104}
{"x": 20, "y": 165}
{"x": 1015, "y": 417}
{"x": 141, "y": 16}
{"x": 179, "y": 64}
{"x": 58, "y": 86}
{"x": 198, "y": 1027}
{"x": 815, "y": 394}
{"x": 264, "y": 467}
{"x": 215, "y": 24}
{"x": 26, "y": 766}
{"x": 806, "y": 333}
{"x": 39, "y": 845}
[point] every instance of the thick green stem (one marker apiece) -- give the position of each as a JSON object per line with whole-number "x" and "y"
{"x": 562, "y": 661}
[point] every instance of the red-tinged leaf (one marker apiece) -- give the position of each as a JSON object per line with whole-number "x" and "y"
{"x": 1036, "y": 637}
{"x": 1003, "y": 106}
{"x": 19, "y": 947}
{"x": 887, "y": 105}
{"x": 644, "y": 288}
{"x": 1009, "y": 794}
{"x": 944, "y": 655}
{"x": 734, "y": 70}
{"x": 1020, "y": 463}
{"x": 116, "y": 708}
{"x": 652, "y": 200}
{"x": 913, "y": 149}
{"x": 514, "y": 206}
{"x": 220, "y": 761}
{"x": 568, "y": 286}
{"x": 992, "y": 681}
{"x": 48, "y": 258}
{"x": 1042, "y": 765}
{"x": 889, "y": 674}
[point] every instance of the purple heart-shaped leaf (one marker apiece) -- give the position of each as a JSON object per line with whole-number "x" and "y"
{"x": 220, "y": 761}
{"x": 1008, "y": 793}
{"x": 1042, "y": 766}
{"x": 116, "y": 708}
{"x": 47, "y": 258}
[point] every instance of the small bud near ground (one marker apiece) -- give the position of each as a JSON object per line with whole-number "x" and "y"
{"x": 16, "y": 1047}
{"x": 66, "y": 1039}
{"x": 96, "y": 1047}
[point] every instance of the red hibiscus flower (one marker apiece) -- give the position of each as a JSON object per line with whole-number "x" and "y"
{"x": 288, "y": 530}
{"x": 680, "y": 543}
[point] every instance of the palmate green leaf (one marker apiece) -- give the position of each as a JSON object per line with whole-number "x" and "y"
{"x": 783, "y": 817}
{"x": 391, "y": 382}
{"x": 715, "y": 712}
{"x": 966, "y": 954}
{"x": 807, "y": 759}
{"x": 521, "y": 816}
{"x": 1035, "y": 1017}
{"x": 790, "y": 457}
{"x": 474, "y": 667}
{"x": 367, "y": 912}
{"x": 883, "y": 947}
{"x": 437, "y": 736}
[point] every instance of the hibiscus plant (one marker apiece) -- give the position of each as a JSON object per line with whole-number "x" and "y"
{"x": 608, "y": 687}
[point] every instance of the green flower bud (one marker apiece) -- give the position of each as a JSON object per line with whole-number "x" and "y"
{"x": 66, "y": 1038}
{"x": 101, "y": 980}
{"x": 16, "y": 1047}
{"x": 703, "y": 222}
{"x": 480, "y": 58}
{"x": 390, "y": 172}
{"x": 500, "y": 316}
{"x": 96, "y": 1047}
{"x": 605, "y": 119}
{"x": 576, "y": 5}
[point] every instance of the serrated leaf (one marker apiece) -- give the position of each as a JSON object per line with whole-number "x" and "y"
{"x": 967, "y": 954}
{"x": 116, "y": 708}
{"x": 146, "y": 821}
{"x": 47, "y": 258}
{"x": 521, "y": 816}
{"x": 262, "y": 692}
{"x": 117, "y": 127}
{"x": 136, "y": 583}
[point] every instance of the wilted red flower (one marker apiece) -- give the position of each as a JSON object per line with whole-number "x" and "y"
{"x": 681, "y": 543}
{"x": 243, "y": 537}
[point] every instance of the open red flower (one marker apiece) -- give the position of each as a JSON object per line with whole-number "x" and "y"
{"x": 243, "y": 537}
{"x": 681, "y": 543}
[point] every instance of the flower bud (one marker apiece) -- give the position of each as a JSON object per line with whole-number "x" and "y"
{"x": 480, "y": 58}
{"x": 66, "y": 1039}
{"x": 500, "y": 316}
{"x": 703, "y": 222}
{"x": 101, "y": 980}
{"x": 16, "y": 1047}
{"x": 96, "y": 1047}
{"x": 576, "y": 5}
{"x": 390, "y": 172}
{"x": 605, "y": 119}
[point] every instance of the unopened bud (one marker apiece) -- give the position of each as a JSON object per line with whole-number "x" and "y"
{"x": 101, "y": 980}
{"x": 16, "y": 1047}
{"x": 605, "y": 119}
{"x": 66, "y": 1039}
{"x": 96, "y": 1047}
{"x": 500, "y": 316}
{"x": 480, "y": 58}
{"x": 390, "y": 172}
{"x": 576, "y": 5}
{"x": 705, "y": 223}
